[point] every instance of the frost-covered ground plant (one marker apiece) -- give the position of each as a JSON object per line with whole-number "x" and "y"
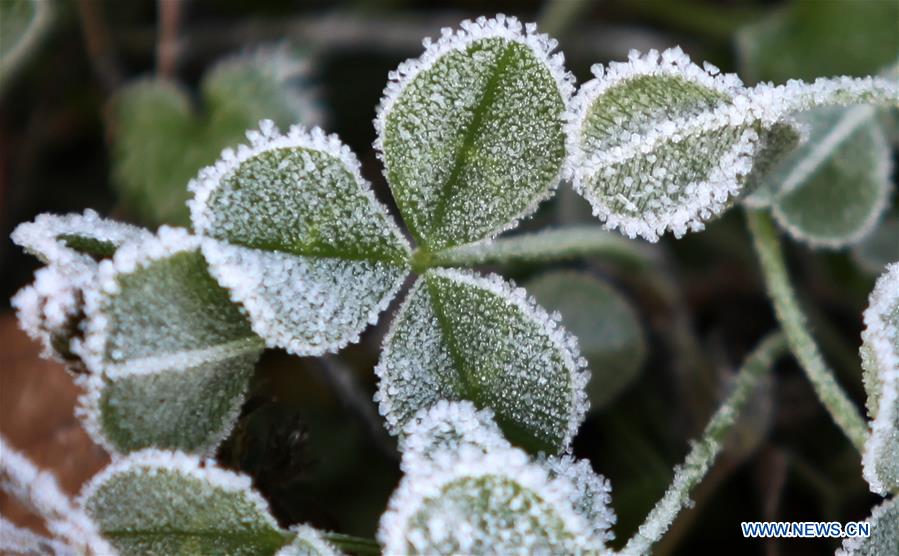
{"x": 289, "y": 248}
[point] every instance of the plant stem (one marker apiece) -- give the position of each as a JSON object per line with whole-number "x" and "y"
{"x": 354, "y": 545}
{"x": 791, "y": 318}
{"x": 546, "y": 246}
{"x": 703, "y": 452}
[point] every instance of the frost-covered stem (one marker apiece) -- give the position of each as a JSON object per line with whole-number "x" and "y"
{"x": 355, "y": 545}
{"x": 793, "y": 321}
{"x": 703, "y": 452}
{"x": 547, "y": 246}
{"x": 39, "y": 491}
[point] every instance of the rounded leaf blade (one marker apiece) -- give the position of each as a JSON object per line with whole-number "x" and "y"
{"x": 170, "y": 354}
{"x": 297, "y": 236}
{"x": 658, "y": 143}
{"x": 461, "y": 336}
{"x": 880, "y": 362}
{"x": 832, "y": 191}
{"x": 162, "y": 503}
{"x": 474, "y": 127}
{"x": 484, "y": 503}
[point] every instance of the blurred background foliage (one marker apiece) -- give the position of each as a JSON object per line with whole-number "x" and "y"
{"x": 115, "y": 105}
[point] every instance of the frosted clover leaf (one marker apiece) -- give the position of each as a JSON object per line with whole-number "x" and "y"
{"x": 460, "y": 336}
{"x": 475, "y": 494}
{"x": 447, "y": 427}
{"x": 834, "y": 188}
{"x": 880, "y": 360}
{"x": 658, "y": 143}
{"x": 884, "y": 534}
{"x": 296, "y": 234}
{"x": 170, "y": 354}
{"x": 158, "y": 502}
{"x": 74, "y": 241}
{"x": 471, "y": 133}
{"x": 50, "y": 310}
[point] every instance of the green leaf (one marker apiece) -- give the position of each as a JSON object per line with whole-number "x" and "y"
{"x": 74, "y": 241}
{"x": 806, "y": 39}
{"x": 658, "y": 143}
{"x": 161, "y": 140}
{"x": 296, "y": 234}
{"x": 22, "y": 25}
{"x": 884, "y": 535}
{"x": 471, "y": 133}
{"x": 308, "y": 542}
{"x": 448, "y": 427}
{"x": 453, "y": 438}
{"x": 50, "y": 310}
{"x": 880, "y": 361}
{"x": 593, "y": 493}
{"x": 880, "y": 247}
{"x": 461, "y": 336}
{"x": 167, "y": 503}
{"x": 607, "y": 328}
{"x": 170, "y": 354}
{"x": 832, "y": 191}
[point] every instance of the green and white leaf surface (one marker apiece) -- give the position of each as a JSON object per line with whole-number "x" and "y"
{"x": 607, "y": 328}
{"x": 162, "y": 503}
{"x": 658, "y": 143}
{"x": 74, "y": 241}
{"x": 884, "y": 537}
{"x": 170, "y": 354}
{"x": 307, "y": 541}
{"x": 832, "y": 190}
{"x": 295, "y": 233}
{"x": 880, "y": 361}
{"x": 161, "y": 139}
{"x": 50, "y": 309}
{"x": 471, "y": 133}
{"x": 446, "y": 427}
{"x": 473, "y": 493}
{"x": 462, "y": 336}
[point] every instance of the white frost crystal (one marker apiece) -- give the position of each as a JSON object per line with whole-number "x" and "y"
{"x": 49, "y": 310}
{"x": 157, "y": 502}
{"x": 74, "y": 240}
{"x": 466, "y": 490}
{"x": 461, "y": 336}
{"x": 170, "y": 354}
{"x": 831, "y": 191}
{"x": 884, "y": 534}
{"x": 880, "y": 359}
{"x": 447, "y": 427}
{"x": 592, "y": 493}
{"x": 296, "y": 234}
{"x": 308, "y": 542}
{"x": 39, "y": 491}
{"x": 471, "y": 133}
{"x": 658, "y": 143}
